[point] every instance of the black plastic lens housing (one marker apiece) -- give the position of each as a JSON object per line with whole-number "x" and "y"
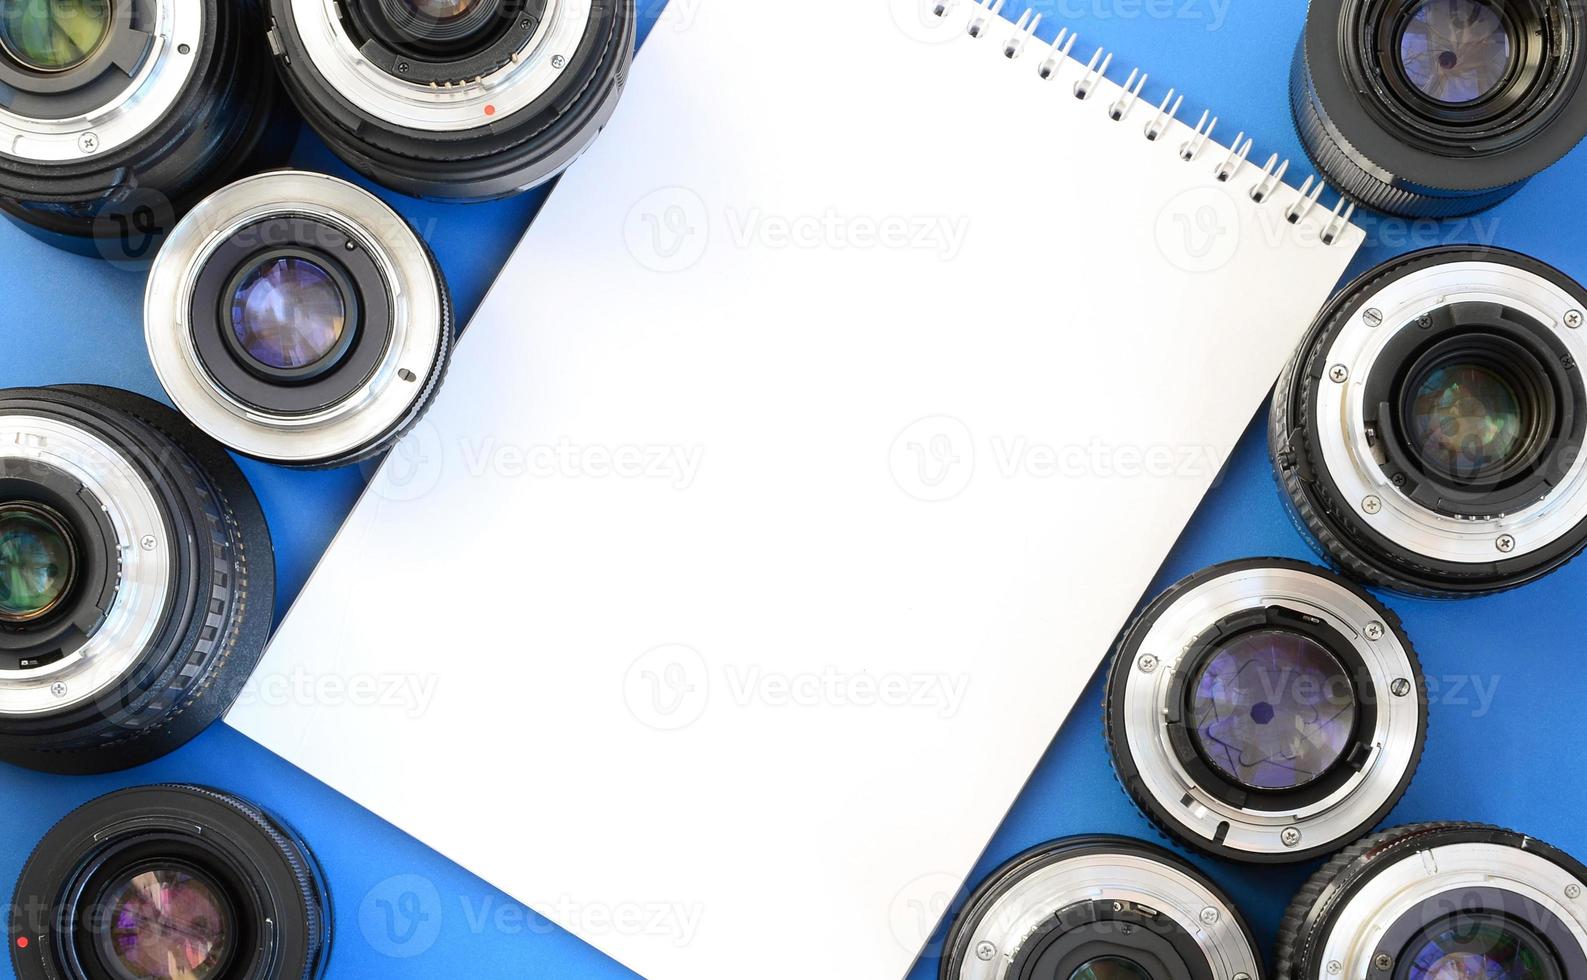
{"x": 1438, "y": 900}
{"x": 1428, "y": 433}
{"x": 1491, "y": 98}
{"x": 1101, "y": 903}
{"x": 170, "y": 599}
{"x": 110, "y": 152}
{"x": 254, "y": 907}
{"x": 495, "y": 99}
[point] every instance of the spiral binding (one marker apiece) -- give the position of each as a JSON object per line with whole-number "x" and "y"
{"x": 1226, "y": 170}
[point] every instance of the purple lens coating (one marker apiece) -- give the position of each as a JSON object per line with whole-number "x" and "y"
{"x": 1481, "y": 952}
{"x": 1273, "y": 710}
{"x": 1110, "y": 968}
{"x": 1456, "y": 51}
{"x": 288, "y": 312}
{"x": 167, "y": 925}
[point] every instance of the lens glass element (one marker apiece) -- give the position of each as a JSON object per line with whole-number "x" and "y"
{"x": 1456, "y": 51}
{"x": 1110, "y": 968}
{"x": 1466, "y": 420}
{"x": 37, "y": 563}
{"x": 165, "y": 924}
{"x": 1485, "y": 951}
{"x": 288, "y": 312}
{"x": 1273, "y": 710}
{"x": 53, "y": 35}
{"x": 440, "y": 10}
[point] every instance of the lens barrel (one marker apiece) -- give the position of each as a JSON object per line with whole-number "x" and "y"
{"x": 1098, "y": 907}
{"x": 106, "y": 145}
{"x": 137, "y": 572}
{"x": 1439, "y": 901}
{"x": 1266, "y": 711}
{"x": 298, "y": 319}
{"x": 1439, "y": 108}
{"x": 170, "y": 881}
{"x": 455, "y": 100}
{"x": 1428, "y": 433}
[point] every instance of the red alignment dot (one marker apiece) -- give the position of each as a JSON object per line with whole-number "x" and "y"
{"x": 22, "y": 942}
{"x": 490, "y": 110}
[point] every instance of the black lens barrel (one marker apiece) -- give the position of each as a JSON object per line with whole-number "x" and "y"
{"x": 1377, "y": 135}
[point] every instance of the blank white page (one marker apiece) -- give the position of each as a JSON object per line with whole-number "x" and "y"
{"x": 790, "y": 484}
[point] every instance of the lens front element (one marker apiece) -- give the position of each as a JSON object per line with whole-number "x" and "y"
{"x": 166, "y": 924}
{"x": 53, "y": 35}
{"x": 1456, "y": 52}
{"x": 288, "y": 312}
{"x": 1111, "y": 968}
{"x": 37, "y": 562}
{"x": 1273, "y": 710}
{"x": 1467, "y": 421}
{"x": 1487, "y": 949}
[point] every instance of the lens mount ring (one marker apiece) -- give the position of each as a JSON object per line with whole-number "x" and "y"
{"x": 393, "y": 393}
{"x": 142, "y": 537}
{"x": 490, "y": 99}
{"x": 1153, "y": 893}
{"x": 1362, "y": 914}
{"x": 1346, "y": 444}
{"x": 175, "y": 37}
{"x": 1145, "y": 691}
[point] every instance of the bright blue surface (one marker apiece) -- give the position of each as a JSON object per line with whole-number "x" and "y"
{"x": 1507, "y": 671}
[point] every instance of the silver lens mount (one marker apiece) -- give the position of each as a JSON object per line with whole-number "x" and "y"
{"x": 1059, "y": 907}
{"x": 174, "y": 35}
{"x": 492, "y": 97}
{"x": 1429, "y": 431}
{"x": 1349, "y": 452}
{"x": 32, "y": 442}
{"x": 1322, "y": 662}
{"x": 1460, "y": 897}
{"x": 489, "y": 102}
{"x": 405, "y": 346}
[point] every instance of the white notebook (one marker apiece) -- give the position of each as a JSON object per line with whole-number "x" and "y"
{"x": 792, "y": 481}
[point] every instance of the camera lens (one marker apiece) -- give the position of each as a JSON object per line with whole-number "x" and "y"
{"x": 298, "y": 319}
{"x": 135, "y": 579}
{"x": 165, "y": 914}
{"x": 38, "y": 561}
{"x": 1437, "y": 108}
{"x": 118, "y": 115}
{"x": 1098, "y": 908}
{"x": 170, "y": 883}
{"x": 1439, "y": 901}
{"x": 1265, "y": 710}
{"x": 1428, "y": 433}
{"x": 463, "y": 99}
{"x": 53, "y": 35}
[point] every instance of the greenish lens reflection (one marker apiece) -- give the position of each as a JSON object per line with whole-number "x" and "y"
{"x": 37, "y": 563}
{"x": 1467, "y": 421}
{"x": 1110, "y": 968}
{"x": 53, "y": 35}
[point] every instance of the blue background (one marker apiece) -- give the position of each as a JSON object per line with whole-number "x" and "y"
{"x": 1506, "y": 670}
